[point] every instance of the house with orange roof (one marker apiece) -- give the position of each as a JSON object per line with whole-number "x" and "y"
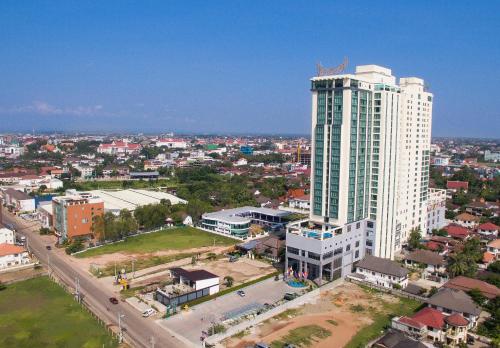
{"x": 12, "y": 255}
{"x": 466, "y": 220}
{"x": 488, "y": 229}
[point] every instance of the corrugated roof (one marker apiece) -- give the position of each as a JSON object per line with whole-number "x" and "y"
{"x": 384, "y": 266}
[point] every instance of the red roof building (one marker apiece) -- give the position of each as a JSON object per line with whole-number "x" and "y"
{"x": 488, "y": 227}
{"x": 457, "y": 231}
{"x": 430, "y": 317}
{"x": 466, "y": 284}
{"x": 457, "y": 185}
{"x": 456, "y": 320}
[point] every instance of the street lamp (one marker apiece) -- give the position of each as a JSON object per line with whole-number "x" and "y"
{"x": 120, "y": 337}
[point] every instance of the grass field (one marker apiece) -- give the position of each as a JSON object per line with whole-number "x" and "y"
{"x": 382, "y": 319}
{"x": 304, "y": 336}
{"x": 38, "y": 313}
{"x": 180, "y": 238}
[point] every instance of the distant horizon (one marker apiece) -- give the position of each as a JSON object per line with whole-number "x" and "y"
{"x": 202, "y": 134}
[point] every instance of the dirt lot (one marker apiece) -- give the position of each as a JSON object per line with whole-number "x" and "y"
{"x": 243, "y": 270}
{"x": 339, "y": 311}
{"x": 102, "y": 261}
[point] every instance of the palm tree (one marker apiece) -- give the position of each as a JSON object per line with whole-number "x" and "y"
{"x": 458, "y": 265}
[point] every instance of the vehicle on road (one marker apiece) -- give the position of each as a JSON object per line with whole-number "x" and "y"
{"x": 233, "y": 258}
{"x": 113, "y": 300}
{"x": 48, "y": 247}
{"x": 148, "y": 312}
{"x": 241, "y": 293}
{"x": 290, "y": 296}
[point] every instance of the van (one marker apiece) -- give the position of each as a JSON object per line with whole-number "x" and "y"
{"x": 148, "y": 312}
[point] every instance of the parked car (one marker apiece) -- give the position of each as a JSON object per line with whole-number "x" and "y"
{"x": 261, "y": 345}
{"x": 148, "y": 312}
{"x": 113, "y": 300}
{"x": 48, "y": 247}
{"x": 290, "y": 296}
{"x": 241, "y": 293}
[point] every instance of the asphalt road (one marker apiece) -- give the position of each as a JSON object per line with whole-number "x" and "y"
{"x": 138, "y": 331}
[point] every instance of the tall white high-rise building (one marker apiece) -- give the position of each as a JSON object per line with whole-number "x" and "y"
{"x": 370, "y": 153}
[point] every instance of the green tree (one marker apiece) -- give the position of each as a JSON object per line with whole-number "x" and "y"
{"x": 460, "y": 264}
{"x": 414, "y": 239}
{"x": 229, "y": 281}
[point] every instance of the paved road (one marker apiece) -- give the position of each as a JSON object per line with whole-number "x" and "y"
{"x": 190, "y": 324}
{"x": 139, "y": 331}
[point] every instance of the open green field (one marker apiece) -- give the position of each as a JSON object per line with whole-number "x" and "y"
{"x": 382, "y": 319}
{"x": 179, "y": 238}
{"x": 38, "y": 313}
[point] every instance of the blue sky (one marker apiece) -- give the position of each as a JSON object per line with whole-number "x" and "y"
{"x": 235, "y": 66}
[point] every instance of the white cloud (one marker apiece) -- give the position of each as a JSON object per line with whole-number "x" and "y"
{"x": 44, "y": 108}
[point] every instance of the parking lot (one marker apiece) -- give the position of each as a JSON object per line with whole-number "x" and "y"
{"x": 191, "y": 323}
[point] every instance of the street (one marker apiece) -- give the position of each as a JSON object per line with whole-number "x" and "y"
{"x": 138, "y": 331}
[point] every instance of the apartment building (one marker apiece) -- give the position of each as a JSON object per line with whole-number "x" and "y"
{"x": 370, "y": 153}
{"x": 73, "y": 215}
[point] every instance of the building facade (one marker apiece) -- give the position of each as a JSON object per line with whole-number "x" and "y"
{"x": 73, "y": 215}
{"x": 370, "y": 153}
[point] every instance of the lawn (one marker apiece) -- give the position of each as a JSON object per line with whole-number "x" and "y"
{"x": 304, "y": 336}
{"x": 38, "y": 313}
{"x": 382, "y": 319}
{"x": 171, "y": 239}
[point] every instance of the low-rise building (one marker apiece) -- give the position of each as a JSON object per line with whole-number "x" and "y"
{"x": 12, "y": 255}
{"x": 467, "y": 284}
{"x": 466, "y": 220}
{"x": 488, "y": 229}
{"x": 119, "y": 148}
{"x": 187, "y": 286}
{"x": 301, "y": 202}
{"x": 325, "y": 252}
{"x": 19, "y": 201}
{"x": 434, "y": 266}
{"x": 237, "y": 221}
{"x": 383, "y": 272}
{"x": 450, "y": 301}
{"x": 7, "y": 236}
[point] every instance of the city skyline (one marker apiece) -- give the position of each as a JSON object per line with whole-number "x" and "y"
{"x": 230, "y": 68}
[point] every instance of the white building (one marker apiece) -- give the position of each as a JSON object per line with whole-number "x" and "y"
{"x": 241, "y": 162}
{"x": 172, "y": 143}
{"x": 302, "y": 203}
{"x": 19, "y": 201}
{"x": 6, "y": 236}
{"x": 382, "y": 272}
{"x": 370, "y": 153}
{"x": 12, "y": 255}
{"x": 436, "y": 209}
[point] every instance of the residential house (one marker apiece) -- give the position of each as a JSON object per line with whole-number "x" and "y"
{"x": 466, "y": 284}
{"x": 397, "y": 339}
{"x": 19, "y": 201}
{"x": 383, "y": 272}
{"x": 431, "y": 324}
{"x": 466, "y": 220}
{"x": 457, "y": 231}
{"x": 434, "y": 266}
{"x": 450, "y": 301}
{"x": 172, "y": 143}
{"x": 488, "y": 229}
{"x": 12, "y": 255}
{"x": 301, "y": 202}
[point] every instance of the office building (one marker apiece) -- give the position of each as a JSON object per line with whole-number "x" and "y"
{"x": 73, "y": 215}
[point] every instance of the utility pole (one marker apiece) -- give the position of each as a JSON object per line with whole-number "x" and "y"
{"x": 77, "y": 287}
{"x": 120, "y": 337}
{"x": 133, "y": 268}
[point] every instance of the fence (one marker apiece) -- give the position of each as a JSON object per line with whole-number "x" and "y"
{"x": 396, "y": 292}
{"x": 309, "y": 297}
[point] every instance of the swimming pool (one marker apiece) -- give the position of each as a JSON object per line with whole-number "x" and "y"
{"x": 296, "y": 284}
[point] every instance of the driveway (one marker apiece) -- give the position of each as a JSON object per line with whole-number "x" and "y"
{"x": 191, "y": 323}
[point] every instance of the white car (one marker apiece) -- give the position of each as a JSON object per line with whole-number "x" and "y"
{"x": 148, "y": 312}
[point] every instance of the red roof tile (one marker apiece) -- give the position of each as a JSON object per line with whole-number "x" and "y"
{"x": 467, "y": 284}
{"x": 9, "y": 249}
{"x": 430, "y": 317}
{"x": 457, "y": 231}
{"x": 488, "y": 226}
{"x": 456, "y": 320}
{"x": 455, "y": 185}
